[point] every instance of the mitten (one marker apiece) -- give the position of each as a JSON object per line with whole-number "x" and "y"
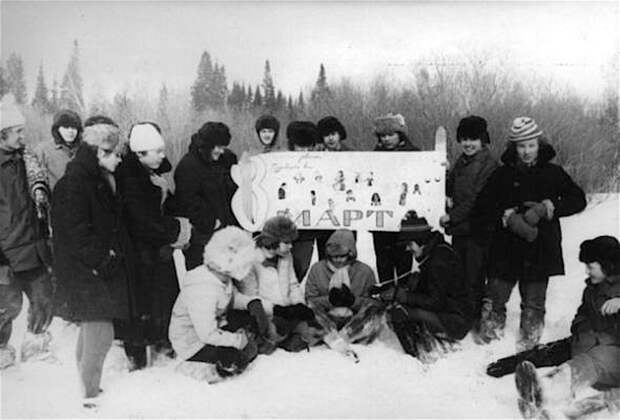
{"x": 341, "y": 296}
{"x": 255, "y": 307}
{"x": 303, "y": 312}
{"x": 185, "y": 232}
{"x": 534, "y": 213}
{"x": 516, "y": 224}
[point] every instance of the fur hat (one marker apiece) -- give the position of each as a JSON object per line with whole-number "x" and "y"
{"x": 473, "y": 127}
{"x": 268, "y": 121}
{"x": 389, "y": 124}
{"x": 230, "y": 251}
{"x": 524, "y": 128}
{"x": 329, "y": 125}
{"x": 145, "y": 136}
{"x": 99, "y": 119}
{"x": 278, "y": 229}
{"x": 99, "y": 135}
{"x": 212, "y": 134}
{"x": 341, "y": 242}
{"x": 413, "y": 228}
{"x": 302, "y": 134}
{"x": 604, "y": 250}
{"x": 10, "y": 114}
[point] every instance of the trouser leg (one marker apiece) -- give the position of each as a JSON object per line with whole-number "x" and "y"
{"x": 10, "y": 307}
{"x": 37, "y": 285}
{"x": 95, "y": 342}
{"x": 493, "y": 317}
{"x": 533, "y": 296}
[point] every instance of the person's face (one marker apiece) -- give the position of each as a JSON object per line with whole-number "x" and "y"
{"x": 68, "y": 134}
{"x": 217, "y": 152}
{"x": 527, "y": 150}
{"x": 152, "y": 159}
{"x": 298, "y": 148}
{"x": 266, "y": 135}
{"x": 390, "y": 141}
{"x": 339, "y": 261}
{"x": 332, "y": 141}
{"x": 108, "y": 158}
{"x": 595, "y": 272}
{"x": 414, "y": 247}
{"x": 14, "y": 138}
{"x": 471, "y": 146}
{"x": 283, "y": 249}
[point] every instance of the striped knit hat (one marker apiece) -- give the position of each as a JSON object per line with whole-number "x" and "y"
{"x": 524, "y": 128}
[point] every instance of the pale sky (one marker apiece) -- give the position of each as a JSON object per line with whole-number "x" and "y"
{"x": 142, "y": 44}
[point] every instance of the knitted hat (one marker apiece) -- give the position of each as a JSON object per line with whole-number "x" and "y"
{"x": 413, "y": 228}
{"x": 280, "y": 229}
{"x": 212, "y": 134}
{"x": 230, "y": 251}
{"x": 144, "y": 136}
{"x": 524, "y": 128}
{"x": 389, "y": 124}
{"x": 10, "y": 115}
{"x": 473, "y": 127}
{"x": 329, "y": 125}
{"x": 268, "y": 121}
{"x": 302, "y": 134}
{"x": 604, "y": 250}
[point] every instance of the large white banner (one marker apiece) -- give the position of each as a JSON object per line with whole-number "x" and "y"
{"x": 331, "y": 190}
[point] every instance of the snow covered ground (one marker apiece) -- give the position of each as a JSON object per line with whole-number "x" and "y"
{"x": 386, "y": 383}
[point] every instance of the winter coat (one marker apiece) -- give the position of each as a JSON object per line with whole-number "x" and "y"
{"x": 54, "y": 156}
{"x": 152, "y": 229}
{"x": 199, "y": 313}
{"x": 509, "y": 187}
{"x": 93, "y": 284}
{"x": 464, "y": 183}
{"x": 22, "y": 239}
{"x": 204, "y": 191}
{"x": 589, "y": 327}
{"x": 360, "y": 275}
{"x": 274, "y": 281}
{"x": 442, "y": 288}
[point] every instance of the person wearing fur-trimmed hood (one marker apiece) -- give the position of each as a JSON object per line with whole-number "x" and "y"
{"x": 210, "y": 335}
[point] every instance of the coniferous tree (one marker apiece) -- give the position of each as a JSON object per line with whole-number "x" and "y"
{"x": 257, "y": 103}
{"x": 162, "y": 108}
{"x": 15, "y": 78}
{"x": 41, "y": 95}
{"x": 249, "y": 97}
{"x": 269, "y": 99}
{"x": 200, "y": 88}
{"x": 54, "y": 98}
{"x": 4, "y": 86}
{"x": 321, "y": 95}
{"x": 219, "y": 89}
{"x": 301, "y": 104}
{"x": 280, "y": 101}
{"x": 290, "y": 109}
{"x": 71, "y": 86}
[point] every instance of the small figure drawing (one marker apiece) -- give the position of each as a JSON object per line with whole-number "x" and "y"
{"x": 299, "y": 178}
{"x": 358, "y": 177}
{"x": 350, "y": 196}
{"x": 416, "y": 189}
{"x": 339, "y": 184}
{"x": 318, "y": 177}
{"x": 282, "y": 191}
{"x": 370, "y": 179}
{"x": 330, "y": 204}
{"x": 404, "y": 189}
{"x": 313, "y": 197}
{"x": 375, "y": 200}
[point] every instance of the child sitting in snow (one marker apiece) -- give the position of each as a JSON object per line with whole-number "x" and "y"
{"x": 206, "y": 331}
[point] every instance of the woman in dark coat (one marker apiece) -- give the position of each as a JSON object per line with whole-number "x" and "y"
{"x": 521, "y": 204}
{"x": 204, "y": 187}
{"x": 148, "y": 205}
{"x": 93, "y": 259}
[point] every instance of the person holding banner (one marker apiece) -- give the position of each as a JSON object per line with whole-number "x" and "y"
{"x": 332, "y": 134}
{"x": 267, "y": 129}
{"x": 391, "y": 132}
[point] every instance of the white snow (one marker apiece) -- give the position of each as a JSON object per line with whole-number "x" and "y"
{"x": 386, "y": 383}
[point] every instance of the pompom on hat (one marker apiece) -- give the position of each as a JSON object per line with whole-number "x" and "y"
{"x": 413, "y": 228}
{"x": 143, "y": 137}
{"x": 10, "y": 115}
{"x": 389, "y": 124}
{"x": 524, "y": 128}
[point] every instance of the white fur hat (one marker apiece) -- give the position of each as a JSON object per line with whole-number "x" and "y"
{"x": 144, "y": 136}
{"x": 10, "y": 115}
{"x": 231, "y": 251}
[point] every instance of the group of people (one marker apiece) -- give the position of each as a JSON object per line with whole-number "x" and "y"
{"x": 106, "y": 210}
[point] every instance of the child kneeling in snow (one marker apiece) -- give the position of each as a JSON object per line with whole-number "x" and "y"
{"x": 594, "y": 343}
{"x": 274, "y": 282}
{"x": 206, "y": 330}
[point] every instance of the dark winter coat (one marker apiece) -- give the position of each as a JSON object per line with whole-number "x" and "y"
{"x": 93, "y": 285}
{"x": 464, "y": 183}
{"x": 440, "y": 287}
{"x": 204, "y": 191}
{"x": 152, "y": 229}
{"x": 509, "y": 187}
{"x": 22, "y": 240}
{"x": 590, "y": 327}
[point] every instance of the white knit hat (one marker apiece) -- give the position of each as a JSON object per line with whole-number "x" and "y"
{"x": 524, "y": 128}
{"x": 10, "y": 115}
{"x": 144, "y": 137}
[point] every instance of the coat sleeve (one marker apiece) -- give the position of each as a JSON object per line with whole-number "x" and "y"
{"x": 580, "y": 322}
{"x": 462, "y": 210}
{"x": 367, "y": 278}
{"x": 487, "y": 211}
{"x": 570, "y": 199}
{"x": 192, "y": 198}
{"x": 313, "y": 292}
{"x": 146, "y": 224}
{"x": 440, "y": 277}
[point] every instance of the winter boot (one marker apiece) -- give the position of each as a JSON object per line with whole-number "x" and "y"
{"x": 294, "y": 343}
{"x": 200, "y": 371}
{"x": 7, "y": 356}
{"x": 607, "y": 400}
{"x": 530, "y": 329}
{"x": 539, "y": 394}
{"x": 491, "y": 325}
{"x": 36, "y": 346}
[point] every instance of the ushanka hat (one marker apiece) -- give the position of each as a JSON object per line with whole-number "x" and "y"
{"x": 604, "y": 250}
{"x": 268, "y": 121}
{"x": 473, "y": 127}
{"x": 302, "y": 134}
{"x": 389, "y": 124}
{"x": 329, "y": 125}
{"x": 279, "y": 229}
{"x": 524, "y": 128}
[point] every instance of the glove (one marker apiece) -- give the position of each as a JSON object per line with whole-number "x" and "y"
{"x": 299, "y": 311}
{"x": 341, "y": 296}
{"x": 255, "y": 307}
{"x": 535, "y": 212}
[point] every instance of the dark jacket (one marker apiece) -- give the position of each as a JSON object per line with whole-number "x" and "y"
{"x": 589, "y": 327}
{"x": 465, "y": 181}
{"x": 93, "y": 285}
{"x": 509, "y": 187}
{"x": 440, "y": 287}
{"x": 152, "y": 229}
{"x": 204, "y": 191}
{"x": 22, "y": 240}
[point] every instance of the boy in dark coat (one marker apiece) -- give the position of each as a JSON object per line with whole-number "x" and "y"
{"x": 526, "y": 183}
{"x": 595, "y": 340}
{"x": 465, "y": 181}
{"x": 148, "y": 207}
{"x": 93, "y": 255}
{"x": 24, "y": 253}
{"x": 204, "y": 187}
